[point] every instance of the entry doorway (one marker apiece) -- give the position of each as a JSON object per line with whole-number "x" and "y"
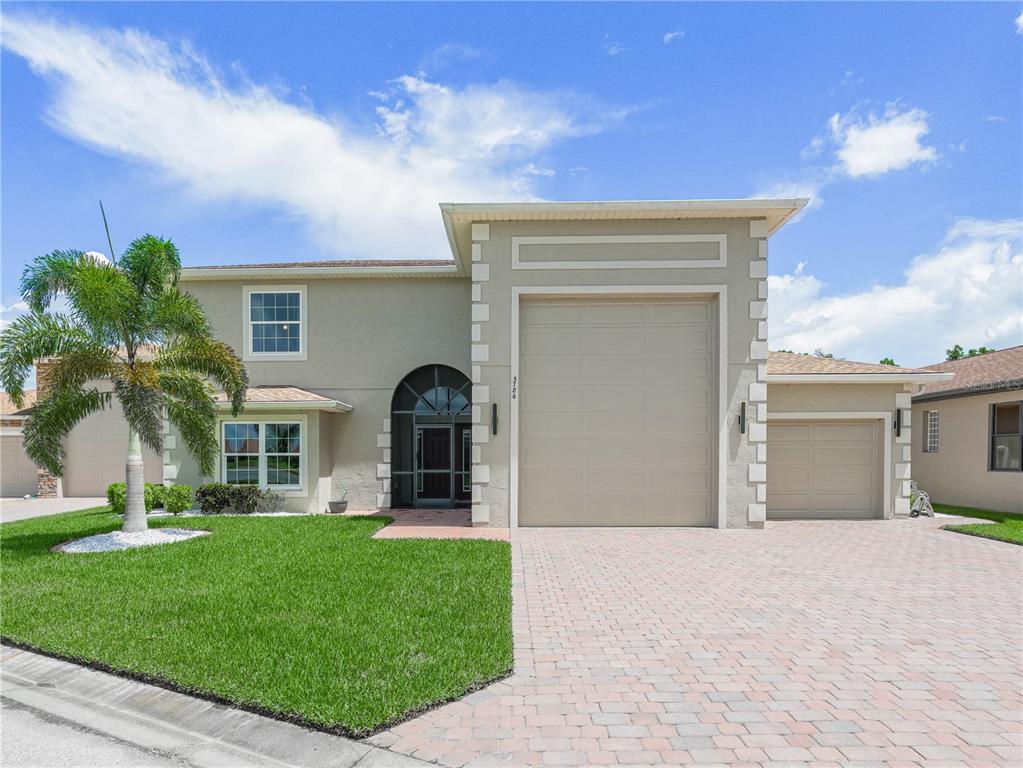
{"x": 431, "y": 439}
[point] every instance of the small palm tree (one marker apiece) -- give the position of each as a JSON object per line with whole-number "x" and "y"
{"x": 130, "y": 325}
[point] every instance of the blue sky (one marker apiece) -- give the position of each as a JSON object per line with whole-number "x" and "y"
{"x": 268, "y": 132}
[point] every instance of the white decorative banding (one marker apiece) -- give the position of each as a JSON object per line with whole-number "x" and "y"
{"x": 476, "y": 331}
{"x": 757, "y": 310}
{"x": 481, "y": 473}
{"x": 477, "y": 293}
{"x": 758, "y": 350}
{"x": 758, "y": 269}
{"x": 637, "y": 240}
{"x": 480, "y": 433}
{"x": 757, "y": 513}
{"x": 480, "y": 313}
{"x": 480, "y": 273}
{"x": 761, "y": 411}
{"x": 481, "y": 393}
{"x": 758, "y": 228}
{"x": 477, "y": 374}
{"x": 481, "y": 513}
{"x": 762, "y": 249}
{"x": 757, "y": 392}
{"x": 480, "y": 232}
{"x": 480, "y": 353}
{"x": 761, "y": 452}
{"x": 383, "y": 471}
{"x": 477, "y": 252}
{"x": 758, "y": 473}
{"x": 761, "y": 492}
{"x": 756, "y": 432}
{"x": 761, "y": 289}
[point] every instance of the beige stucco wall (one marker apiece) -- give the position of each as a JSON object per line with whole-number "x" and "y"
{"x": 494, "y": 278}
{"x": 958, "y": 473}
{"x": 856, "y": 398}
{"x": 364, "y": 336}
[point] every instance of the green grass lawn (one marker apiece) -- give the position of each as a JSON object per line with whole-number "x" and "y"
{"x": 1005, "y": 526}
{"x": 302, "y": 616}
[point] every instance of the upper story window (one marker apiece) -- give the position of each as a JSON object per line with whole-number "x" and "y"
{"x": 275, "y": 322}
{"x": 930, "y": 432}
{"x": 1007, "y": 437}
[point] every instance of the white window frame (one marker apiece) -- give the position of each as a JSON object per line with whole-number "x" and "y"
{"x": 303, "y": 335}
{"x": 932, "y": 432}
{"x": 262, "y": 421}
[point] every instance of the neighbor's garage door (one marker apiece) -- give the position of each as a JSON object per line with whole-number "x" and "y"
{"x": 615, "y": 412}
{"x": 96, "y": 451}
{"x": 17, "y": 472}
{"x": 823, "y": 469}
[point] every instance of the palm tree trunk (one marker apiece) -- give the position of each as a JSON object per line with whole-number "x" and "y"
{"x": 135, "y": 479}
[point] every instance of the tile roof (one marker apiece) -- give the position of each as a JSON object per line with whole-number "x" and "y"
{"x": 791, "y": 363}
{"x": 977, "y": 375}
{"x": 277, "y": 394}
{"x": 8, "y": 408}
{"x": 339, "y": 264}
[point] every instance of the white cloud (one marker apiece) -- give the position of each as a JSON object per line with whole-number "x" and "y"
{"x": 855, "y": 147}
{"x": 969, "y": 291}
{"x": 449, "y": 53}
{"x": 9, "y": 312}
{"x": 670, "y": 37}
{"x": 1019, "y": 24}
{"x": 362, "y": 193}
{"x": 612, "y": 47}
{"x": 993, "y": 118}
{"x": 875, "y": 145}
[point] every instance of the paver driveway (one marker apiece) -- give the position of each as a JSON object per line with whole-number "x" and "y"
{"x": 834, "y": 643}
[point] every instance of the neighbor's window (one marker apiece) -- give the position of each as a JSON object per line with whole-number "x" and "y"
{"x": 1006, "y": 437}
{"x": 275, "y": 461}
{"x": 275, "y": 322}
{"x": 931, "y": 432}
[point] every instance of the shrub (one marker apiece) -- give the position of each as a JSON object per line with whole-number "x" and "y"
{"x": 245, "y": 499}
{"x": 154, "y": 493}
{"x": 117, "y": 497}
{"x": 177, "y": 499}
{"x": 213, "y": 498}
{"x": 272, "y": 501}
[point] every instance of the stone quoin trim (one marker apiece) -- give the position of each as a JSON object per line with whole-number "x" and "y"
{"x": 756, "y": 409}
{"x": 384, "y": 467}
{"x": 480, "y": 353}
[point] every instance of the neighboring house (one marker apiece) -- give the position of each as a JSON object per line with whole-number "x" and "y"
{"x": 595, "y": 363}
{"x": 968, "y": 433}
{"x": 17, "y": 472}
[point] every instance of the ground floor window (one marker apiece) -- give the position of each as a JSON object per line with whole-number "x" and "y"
{"x": 1007, "y": 436}
{"x": 269, "y": 454}
{"x": 931, "y": 432}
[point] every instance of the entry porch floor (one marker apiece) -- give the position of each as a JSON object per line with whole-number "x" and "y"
{"x": 433, "y": 524}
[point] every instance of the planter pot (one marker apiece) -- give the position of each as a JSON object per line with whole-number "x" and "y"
{"x": 337, "y": 507}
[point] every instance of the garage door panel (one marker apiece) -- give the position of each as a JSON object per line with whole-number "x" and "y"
{"x": 844, "y": 454}
{"x": 788, "y": 453}
{"x": 789, "y": 433}
{"x": 842, "y": 478}
{"x": 97, "y": 449}
{"x": 18, "y": 475}
{"x": 824, "y": 469}
{"x": 844, "y": 432}
{"x": 641, "y": 382}
{"x": 789, "y": 478}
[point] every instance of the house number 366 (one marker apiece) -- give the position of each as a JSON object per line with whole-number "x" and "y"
{"x": 515, "y": 387}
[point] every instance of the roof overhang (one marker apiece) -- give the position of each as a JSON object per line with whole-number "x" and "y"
{"x": 980, "y": 389}
{"x": 331, "y": 406}
{"x": 459, "y": 217}
{"x": 856, "y": 378}
{"x": 255, "y": 272}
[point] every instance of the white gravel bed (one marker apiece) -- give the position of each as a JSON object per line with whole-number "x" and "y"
{"x": 116, "y": 540}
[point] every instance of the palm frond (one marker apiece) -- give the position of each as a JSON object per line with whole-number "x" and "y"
{"x": 189, "y": 400}
{"x": 152, "y": 263}
{"x": 51, "y": 420}
{"x": 174, "y": 314}
{"x": 34, "y": 336}
{"x": 143, "y": 409}
{"x": 75, "y": 368}
{"x": 49, "y": 275}
{"x": 102, "y": 298}
{"x": 212, "y": 358}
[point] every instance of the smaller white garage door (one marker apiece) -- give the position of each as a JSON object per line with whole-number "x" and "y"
{"x": 824, "y": 469}
{"x": 17, "y": 472}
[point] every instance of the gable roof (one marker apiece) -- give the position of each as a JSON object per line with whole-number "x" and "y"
{"x": 982, "y": 374}
{"x": 8, "y": 408}
{"x": 793, "y": 367}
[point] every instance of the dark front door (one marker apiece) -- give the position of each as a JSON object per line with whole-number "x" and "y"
{"x": 433, "y": 466}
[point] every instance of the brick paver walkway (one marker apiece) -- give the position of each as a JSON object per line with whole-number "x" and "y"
{"x": 823, "y": 643}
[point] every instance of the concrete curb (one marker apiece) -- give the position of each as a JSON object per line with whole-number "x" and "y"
{"x": 198, "y": 732}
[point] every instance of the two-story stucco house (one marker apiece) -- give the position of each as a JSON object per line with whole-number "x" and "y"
{"x": 598, "y": 363}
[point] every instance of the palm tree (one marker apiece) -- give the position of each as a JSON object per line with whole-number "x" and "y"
{"x": 130, "y": 325}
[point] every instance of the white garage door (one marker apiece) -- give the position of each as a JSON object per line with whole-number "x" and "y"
{"x": 823, "y": 469}
{"x": 17, "y": 472}
{"x": 96, "y": 451}
{"x": 615, "y": 423}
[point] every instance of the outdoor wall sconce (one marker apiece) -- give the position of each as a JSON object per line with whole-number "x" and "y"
{"x": 493, "y": 418}
{"x": 742, "y": 418}
{"x": 898, "y": 422}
